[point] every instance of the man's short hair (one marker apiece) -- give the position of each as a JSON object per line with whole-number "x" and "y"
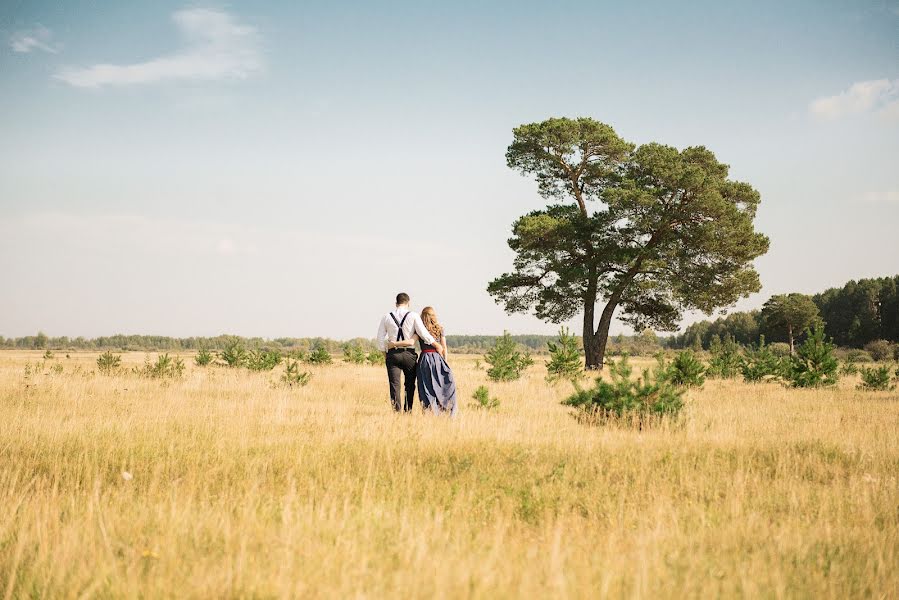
{"x": 402, "y": 298}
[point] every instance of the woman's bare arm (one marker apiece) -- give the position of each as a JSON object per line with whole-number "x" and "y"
{"x": 444, "y": 347}
{"x": 403, "y": 343}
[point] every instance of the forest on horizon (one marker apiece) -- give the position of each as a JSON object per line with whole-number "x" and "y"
{"x": 854, "y": 315}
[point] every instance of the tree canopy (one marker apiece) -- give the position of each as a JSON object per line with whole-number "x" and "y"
{"x": 653, "y": 230}
{"x": 792, "y": 313}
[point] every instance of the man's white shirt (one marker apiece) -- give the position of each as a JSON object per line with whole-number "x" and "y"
{"x": 388, "y": 331}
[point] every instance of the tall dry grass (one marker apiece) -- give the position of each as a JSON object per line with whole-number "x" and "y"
{"x": 243, "y": 489}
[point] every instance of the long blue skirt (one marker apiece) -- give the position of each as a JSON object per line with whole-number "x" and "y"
{"x": 436, "y": 385}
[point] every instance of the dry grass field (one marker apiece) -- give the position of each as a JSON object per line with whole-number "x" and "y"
{"x": 239, "y": 489}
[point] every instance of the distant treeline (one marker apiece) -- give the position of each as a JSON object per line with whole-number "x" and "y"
{"x": 474, "y": 344}
{"x": 166, "y": 343}
{"x": 858, "y": 313}
{"x": 854, "y": 315}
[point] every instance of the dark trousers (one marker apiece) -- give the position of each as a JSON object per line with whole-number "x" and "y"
{"x": 401, "y": 362}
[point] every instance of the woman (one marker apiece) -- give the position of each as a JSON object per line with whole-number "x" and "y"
{"x": 436, "y": 385}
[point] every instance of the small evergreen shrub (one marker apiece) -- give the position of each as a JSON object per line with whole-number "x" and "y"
{"x": 292, "y": 376}
{"x": 165, "y": 367}
{"x": 48, "y": 355}
{"x": 298, "y": 355}
{"x": 779, "y": 349}
{"x": 859, "y": 356}
{"x": 234, "y": 354}
{"x": 725, "y": 361}
{"x": 108, "y": 362}
{"x": 482, "y": 399}
{"x": 761, "y": 364}
{"x": 262, "y": 360}
{"x": 319, "y": 356}
{"x": 849, "y": 368}
{"x": 880, "y": 350}
{"x": 505, "y": 360}
{"x": 685, "y": 370}
{"x": 876, "y": 379}
{"x": 814, "y": 364}
{"x": 203, "y": 358}
{"x": 375, "y": 357}
{"x": 643, "y": 400}
{"x": 354, "y": 354}
{"x": 565, "y": 358}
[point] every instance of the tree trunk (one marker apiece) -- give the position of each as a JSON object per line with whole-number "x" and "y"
{"x": 592, "y": 351}
{"x": 595, "y": 348}
{"x": 790, "y": 334}
{"x": 602, "y": 330}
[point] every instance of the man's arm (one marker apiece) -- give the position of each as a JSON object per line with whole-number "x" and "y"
{"x": 382, "y": 334}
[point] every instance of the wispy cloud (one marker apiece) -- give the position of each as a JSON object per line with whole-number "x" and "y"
{"x": 218, "y": 48}
{"x": 877, "y": 96}
{"x": 38, "y": 38}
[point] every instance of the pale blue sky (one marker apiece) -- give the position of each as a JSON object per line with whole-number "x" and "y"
{"x": 284, "y": 168}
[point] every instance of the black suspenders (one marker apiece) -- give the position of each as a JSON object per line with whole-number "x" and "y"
{"x": 400, "y": 336}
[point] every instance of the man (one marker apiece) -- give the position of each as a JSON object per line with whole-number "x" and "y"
{"x": 397, "y": 325}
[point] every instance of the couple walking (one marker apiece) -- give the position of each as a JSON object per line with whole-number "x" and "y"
{"x": 398, "y": 332}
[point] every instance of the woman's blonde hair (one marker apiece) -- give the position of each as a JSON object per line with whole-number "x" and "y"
{"x": 429, "y": 318}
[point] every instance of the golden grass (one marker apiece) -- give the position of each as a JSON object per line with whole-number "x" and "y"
{"x": 242, "y": 489}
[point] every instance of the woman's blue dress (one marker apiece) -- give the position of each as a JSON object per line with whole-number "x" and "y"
{"x": 436, "y": 385}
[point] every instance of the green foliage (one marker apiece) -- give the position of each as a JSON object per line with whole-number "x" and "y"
{"x": 685, "y": 370}
{"x": 780, "y": 349}
{"x": 505, "y": 360}
{"x": 573, "y": 253}
{"x": 108, "y": 362}
{"x": 354, "y": 353}
{"x": 849, "y": 368}
{"x": 742, "y": 326}
{"x": 643, "y": 400}
{"x": 876, "y": 379}
{"x": 861, "y": 311}
{"x": 165, "y": 367}
{"x": 203, "y": 358}
{"x": 263, "y": 359}
{"x": 760, "y": 363}
{"x": 292, "y": 376}
{"x": 813, "y": 364}
{"x": 56, "y": 369}
{"x": 565, "y": 358}
{"x": 880, "y": 350}
{"x": 375, "y": 357}
{"x": 859, "y": 356}
{"x": 858, "y": 313}
{"x": 299, "y": 355}
{"x": 790, "y": 313}
{"x": 482, "y": 399}
{"x": 234, "y": 354}
{"x": 726, "y": 360}
{"x": 319, "y": 356}
{"x": 48, "y": 355}
{"x": 41, "y": 340}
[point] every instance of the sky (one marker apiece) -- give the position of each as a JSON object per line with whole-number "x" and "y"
{"x": 285, "y": 168}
